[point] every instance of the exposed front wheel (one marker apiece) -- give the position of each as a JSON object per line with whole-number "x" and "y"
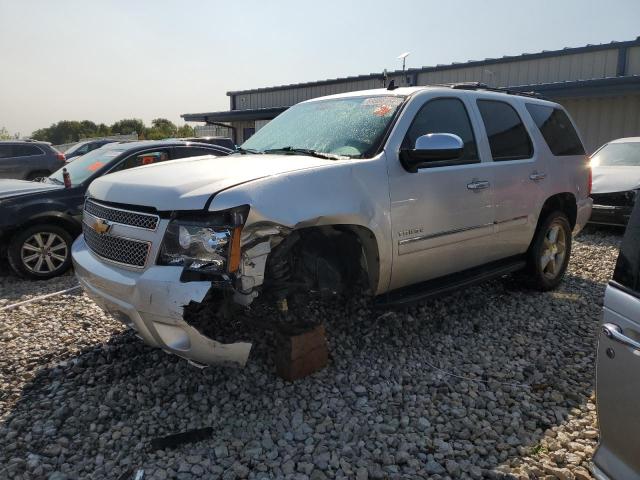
{"x": 40, "y": 251}
{"x": 549, "y": 253}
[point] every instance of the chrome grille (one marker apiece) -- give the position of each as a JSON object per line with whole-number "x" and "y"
{"x": 117, "y": 249}
{"x": 125, "y": 217}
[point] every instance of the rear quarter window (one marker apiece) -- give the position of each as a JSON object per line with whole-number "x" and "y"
{"x": 627, "y": 268}
{"x": 557, "y": 130}
{"x": 26, "y": 151}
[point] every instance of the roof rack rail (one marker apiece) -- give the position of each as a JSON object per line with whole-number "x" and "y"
{"x": 484, "y": 86}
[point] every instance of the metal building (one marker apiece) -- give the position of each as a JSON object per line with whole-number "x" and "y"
{"x": 598, "y": 84}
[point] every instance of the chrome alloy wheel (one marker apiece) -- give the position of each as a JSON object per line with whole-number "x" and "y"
{"x": 554, "y": 250}
{"x": 44, "y": 252}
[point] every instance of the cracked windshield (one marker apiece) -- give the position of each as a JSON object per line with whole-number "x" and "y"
{"x": 347, "y": 127}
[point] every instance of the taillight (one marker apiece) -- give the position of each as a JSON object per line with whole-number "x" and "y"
{"x": 590, "y": 181}
{"x": 61, "y": 157}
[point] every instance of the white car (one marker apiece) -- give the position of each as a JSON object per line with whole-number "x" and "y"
{"x": 616, "y": 181}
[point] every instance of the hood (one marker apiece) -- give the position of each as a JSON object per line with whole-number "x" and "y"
{"x": 189, "y": 183}
{"x": 14, "y": 188}
{"x": 615, "y": 179}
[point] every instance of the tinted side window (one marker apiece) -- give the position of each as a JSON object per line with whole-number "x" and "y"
{"x": 444, "y": 115}
{"x": 508, "y": 138}
{"x": 185, "y": 152}
{"x": 26, "y": 150}
{"x": 628, "y": 264}
{"x": 146, "y": 158}
{"x": 6, "y": 151}
{"x": 557, "y": 130}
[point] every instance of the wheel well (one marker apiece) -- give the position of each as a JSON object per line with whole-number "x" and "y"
{"x": 68, "y": 224}
{"x": 565, "y": 202}
{"x": 330, "y": 257}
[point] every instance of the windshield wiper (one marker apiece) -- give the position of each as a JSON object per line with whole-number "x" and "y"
{"x": 52, "y": 180}
{"x": 307, "y": 151}
{"x": 244, "y": 151}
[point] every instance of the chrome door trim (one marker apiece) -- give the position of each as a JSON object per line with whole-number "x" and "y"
{"x": 442, "y": 234}
{"x": 458, "y": 230}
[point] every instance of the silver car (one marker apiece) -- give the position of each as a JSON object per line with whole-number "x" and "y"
{"x": 409, "y": 191}
{"x": 618, "y": 369}
{"x": 28, "y": 160}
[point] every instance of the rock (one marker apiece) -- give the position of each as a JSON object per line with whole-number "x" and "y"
{"x": 433, "y": 468}
{"x": 83, "y": 396}
{"x": 362, "y": 473}
{"x": 423, "y": 424}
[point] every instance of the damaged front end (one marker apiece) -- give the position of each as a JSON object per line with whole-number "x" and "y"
{"x": 219, "y": 251}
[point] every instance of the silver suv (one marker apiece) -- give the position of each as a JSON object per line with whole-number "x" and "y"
{"x": 28, "y": 159}
{"x": 407, "y": 191}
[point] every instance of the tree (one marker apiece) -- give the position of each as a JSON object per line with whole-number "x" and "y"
{"x": 161, "y": 128}
{"x": 129, "y": 126}
{"x": 186, "y": 131}
{"x": 5, "y": 135}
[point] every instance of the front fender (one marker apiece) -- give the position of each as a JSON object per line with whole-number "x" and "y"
{"x": 351, "y": 192}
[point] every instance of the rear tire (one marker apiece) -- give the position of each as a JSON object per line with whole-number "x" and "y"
{"x": 549, "y": 253}
{"x": 41, "y": 251}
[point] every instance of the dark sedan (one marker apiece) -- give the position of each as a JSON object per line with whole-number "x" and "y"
{"x": 40, "y": 220}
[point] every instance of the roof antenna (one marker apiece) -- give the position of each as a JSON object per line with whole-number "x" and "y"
{"x": 392, "y": 85}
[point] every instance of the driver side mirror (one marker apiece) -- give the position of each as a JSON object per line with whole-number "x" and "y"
{"x": 432, "y": 150}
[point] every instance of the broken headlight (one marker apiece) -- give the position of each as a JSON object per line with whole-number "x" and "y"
{"x": 203, "y": 246}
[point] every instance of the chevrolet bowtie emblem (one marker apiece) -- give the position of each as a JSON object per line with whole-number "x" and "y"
{"x": 101, "y": 226}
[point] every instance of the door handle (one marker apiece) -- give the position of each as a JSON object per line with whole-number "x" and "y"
{"x": 536, "y": 177}
{"x": 614, "y": 332}
{"x": 478, "y": 185}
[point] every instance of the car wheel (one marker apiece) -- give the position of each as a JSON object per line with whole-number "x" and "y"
{"x": 549, "y": 253}
{"x": 41, "y": 251}
{"x": 38, "y": 174}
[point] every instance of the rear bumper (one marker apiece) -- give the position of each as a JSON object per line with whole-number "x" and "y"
{"x": 610, "y": 215}
{"x": 583, "y": 213}
{"x": 152, "y": 302}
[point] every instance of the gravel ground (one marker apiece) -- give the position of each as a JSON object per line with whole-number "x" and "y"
{"x": 495, "y": 382}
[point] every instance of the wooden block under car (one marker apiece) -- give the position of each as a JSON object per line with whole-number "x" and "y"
{"x": 300, "y": 350}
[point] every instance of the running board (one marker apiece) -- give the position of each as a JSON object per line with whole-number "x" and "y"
{"x": 406, "y": 296}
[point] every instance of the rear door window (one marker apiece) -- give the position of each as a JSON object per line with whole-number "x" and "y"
{"x": 627, "y": 268}
{"x": 508, "y": 137}
{"x": 6, "y": 151}
{"x": 557, "y": 130}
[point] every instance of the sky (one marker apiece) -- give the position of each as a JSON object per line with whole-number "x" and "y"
{"x": 108, "y": 60}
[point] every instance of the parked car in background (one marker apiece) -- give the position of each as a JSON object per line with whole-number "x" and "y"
{"x": 222, "y": 141}
{"x": 39, "y": 220}
{"x": 407, "y": 191}
{"x": 616, "y": 181}
{"x": 81, "y": 148}
{"x": 28, "y": 159}
{"x": 618, "y": 366}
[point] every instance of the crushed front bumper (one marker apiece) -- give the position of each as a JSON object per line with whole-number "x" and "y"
{"x": 152, "y": 303}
